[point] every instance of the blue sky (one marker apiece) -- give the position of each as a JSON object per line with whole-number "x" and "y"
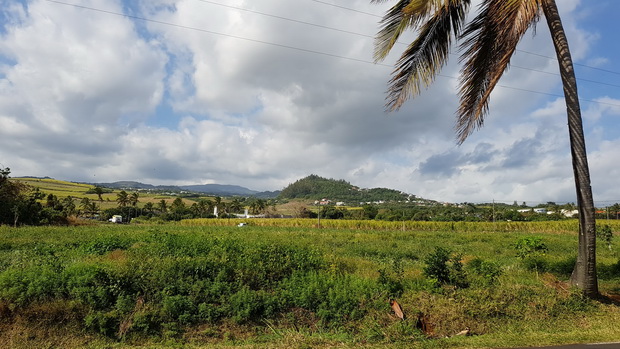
{"x": 261, "y": 93}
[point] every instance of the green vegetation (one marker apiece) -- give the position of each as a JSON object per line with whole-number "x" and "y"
{"x": 487, "y": 40}
{"x": 316, "y": 188}
{"x": 172, "y": 285}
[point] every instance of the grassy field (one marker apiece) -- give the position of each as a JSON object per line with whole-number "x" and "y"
{"x": 63, "y": 189}
{"x": 190, "y": 285}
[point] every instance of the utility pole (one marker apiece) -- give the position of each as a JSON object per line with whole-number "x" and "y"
{"x": 607, "y": 212}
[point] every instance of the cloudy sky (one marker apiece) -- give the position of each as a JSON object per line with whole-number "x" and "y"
{"x": 260, "y": 93}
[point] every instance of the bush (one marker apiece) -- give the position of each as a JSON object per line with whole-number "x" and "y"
{"x": 335, "y": 299}
{"x": 391, "y": 278}
{"x": 36, "y": 283}
{"x": 107, "y": 244}
{"x": 530, "y": 247}
{"x": 489, "y": 272}
{"x": 445, "y": 268}
{"x": 604, "y": 233}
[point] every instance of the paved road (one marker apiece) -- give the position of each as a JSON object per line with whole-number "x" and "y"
{"x": 582, "y": 346}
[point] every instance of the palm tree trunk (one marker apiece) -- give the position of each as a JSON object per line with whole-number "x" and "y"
{"x": 584, "y": 274}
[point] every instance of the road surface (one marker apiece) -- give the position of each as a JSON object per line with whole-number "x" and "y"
{"x": 615, "y": 345}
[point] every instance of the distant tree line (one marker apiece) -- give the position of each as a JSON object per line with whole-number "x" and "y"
{"x": 22, "y": 204}
{"x": 178, "y": 209}
{"x": 466, "y": 212}
{"x": 316, "y": 187}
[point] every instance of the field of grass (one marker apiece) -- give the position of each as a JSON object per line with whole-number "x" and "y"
{"x": 57, "y": 187}
{"x": 63, "y": 189}
{"x": 563, "y": 226}
{"x": 106, "y": 286}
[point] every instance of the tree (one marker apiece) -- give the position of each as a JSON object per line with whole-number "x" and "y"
{"x": 69, "y": 205}
{"x": 235, "y": 206}
{"x": 99, "y": 191}
{"x": 134, "y": 199}
{"x": 149, "y": 207}
{"x": 85, "y": 205}
{"x": 162, "y": 206}
{"x": 177, "y": 206}
{"x": 204, "y": 207}
{"x": 88, "y": 206}
{"x": 488, "y": 42}
{"x": 122, "y": 198}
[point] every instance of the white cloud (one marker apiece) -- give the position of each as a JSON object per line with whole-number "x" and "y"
{"x": 140, "y": 100}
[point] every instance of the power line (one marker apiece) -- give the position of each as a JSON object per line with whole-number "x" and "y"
{"x": 288, "y": 46}
{"x": 216, "y": 33}
{"x": 372, "y": 37}
{"x": 348, "y": 8}
{"x": 577, "y": 64}
{"x": 522, "y": 51}
{"x": 287, "y": 19}
{"x": 557, "y": 74}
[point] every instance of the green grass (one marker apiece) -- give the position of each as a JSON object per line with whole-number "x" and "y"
{"x": 208, "y": 286}
{"x": 77, "y": 190}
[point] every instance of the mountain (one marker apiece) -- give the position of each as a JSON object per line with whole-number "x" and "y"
{"x": 211, "y": 189}
{"x": 219, "y": 189}
{"x": 138, "y": 185}
{"x": 316, "y": 187}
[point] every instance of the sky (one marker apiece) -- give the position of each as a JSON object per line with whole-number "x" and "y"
{"x": 262, "y": 93}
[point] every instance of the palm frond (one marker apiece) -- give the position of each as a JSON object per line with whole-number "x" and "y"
{"x": 424, "y": 58}
{"x": 489, "y": 42}
{"x": 393, "y": 24}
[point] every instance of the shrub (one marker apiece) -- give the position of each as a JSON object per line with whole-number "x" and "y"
{"x": 391, "y": 278}
{"x": 488, "y": 271}
{"x": 529, "y": 247}
{"x": 179, "y": 309}
{"x": 333, "y": 298}
{"x": 445, "y": 268}
{"x": 107, "y": 244}
{"x": 604, "y": 233}
{"x": 36, "y": 283}
{"x": 105, "y": 323}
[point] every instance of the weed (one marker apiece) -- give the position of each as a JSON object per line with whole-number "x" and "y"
{"x": 446, "y": 268}
{"x": 604, "y": 233}
{"x": 530, "y": 247}
{"x": 489, "y": 272}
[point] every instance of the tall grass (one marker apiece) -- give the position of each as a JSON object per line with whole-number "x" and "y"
{"x": 563, "y": 226}
{"x": 141, "y": 283}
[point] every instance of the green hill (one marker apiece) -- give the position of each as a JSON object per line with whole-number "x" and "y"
{"x": 316, "y": 187}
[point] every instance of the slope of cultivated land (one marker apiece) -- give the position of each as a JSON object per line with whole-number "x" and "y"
{"x": 282, "y": 287}
{"x": 57, "y": 187}
{"x": 79, "y": 190}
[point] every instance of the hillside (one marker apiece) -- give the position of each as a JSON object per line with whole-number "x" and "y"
{"x": 208, "y": 189}
{"x": 316, "y": 187}
{"x": 56, "y": 187}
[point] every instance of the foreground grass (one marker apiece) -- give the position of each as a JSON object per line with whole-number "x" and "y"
{"x": 200, "y": 286}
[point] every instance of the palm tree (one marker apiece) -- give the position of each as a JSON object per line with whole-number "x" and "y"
{"x": 235, "y": 206}
{"x": 134, "y": 199}
{"x": 204, "y": 206}
{"x": 488, "y": 42}
{"x": 85, "y": 205}
{"x": 162, "y": 206}
{"x": 149, "y": 207}
{"x": 122, "y": 198}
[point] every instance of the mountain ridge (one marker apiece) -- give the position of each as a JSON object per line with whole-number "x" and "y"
{"x": 213, "y": 189}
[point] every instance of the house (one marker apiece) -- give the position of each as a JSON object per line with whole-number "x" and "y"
{"x": 116, "y": 219}
{"x": 540, "y": 210}
{"x": 570, "y": 213}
